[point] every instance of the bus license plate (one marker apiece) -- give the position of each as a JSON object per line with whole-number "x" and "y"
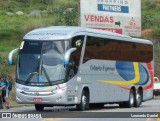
{"x": 37, "y": 99}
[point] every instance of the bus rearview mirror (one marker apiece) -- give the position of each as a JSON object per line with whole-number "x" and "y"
{"x": 67, "y": 55}
{"x": 10, "y": 56}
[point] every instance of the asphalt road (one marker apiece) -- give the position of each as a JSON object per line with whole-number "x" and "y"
{"x": 147, "y": 112}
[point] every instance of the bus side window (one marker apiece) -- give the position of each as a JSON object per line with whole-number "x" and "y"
{"x": 77, "y": 42}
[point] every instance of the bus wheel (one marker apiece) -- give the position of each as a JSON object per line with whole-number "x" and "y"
{"x": 138, "y": 99}
{"x": 130, "y": 103}
{"x": 131, "y": 100}
{"x": 84, "y": 101}
{"x": 39, "y": 107}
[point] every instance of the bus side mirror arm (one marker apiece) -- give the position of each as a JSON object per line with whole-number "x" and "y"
{"x": 67, "y": 55}
{"x": 10, "y": 55}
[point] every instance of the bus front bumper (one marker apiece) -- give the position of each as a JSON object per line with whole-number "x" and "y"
{"x": 58, "y": 97}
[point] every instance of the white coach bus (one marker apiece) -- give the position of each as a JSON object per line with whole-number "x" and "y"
{"x": 85, "y": 67}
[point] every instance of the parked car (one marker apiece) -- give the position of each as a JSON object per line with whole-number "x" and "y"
{"x": 156, "y": 89}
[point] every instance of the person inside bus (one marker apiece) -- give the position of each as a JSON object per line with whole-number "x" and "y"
{"x": 5, "y": 92}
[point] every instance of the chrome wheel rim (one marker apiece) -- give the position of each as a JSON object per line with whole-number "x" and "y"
{"x": 84, "y": 100}
{"x": 131, "y": 99}
{"x": 138, "y": 98}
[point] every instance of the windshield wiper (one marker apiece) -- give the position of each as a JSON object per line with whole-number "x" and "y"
{"x": 46, "y": 75}
{"x": 30, "y": 77}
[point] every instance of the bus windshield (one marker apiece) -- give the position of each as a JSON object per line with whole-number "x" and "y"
{"x": 42, "y": 61}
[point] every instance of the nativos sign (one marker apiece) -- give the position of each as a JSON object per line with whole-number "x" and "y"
{"x": 120, "y": 16}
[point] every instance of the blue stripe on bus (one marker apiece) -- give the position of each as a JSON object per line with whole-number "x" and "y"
{"x": 126, "y": 71}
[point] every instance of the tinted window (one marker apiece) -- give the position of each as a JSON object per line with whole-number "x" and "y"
{"x": 77, "y": 42}
{"x": 32, "y": 47}
{"x": 107, "y": 49}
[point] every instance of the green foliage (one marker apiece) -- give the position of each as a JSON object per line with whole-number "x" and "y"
{"x": 10, "y": 27}
{"x": 151, "y": 16}
{"x": 148, "y": 21}
{"x": 66, "y": 17}
{"x": 156, "y": 33}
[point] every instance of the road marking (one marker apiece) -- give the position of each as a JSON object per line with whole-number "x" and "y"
{"x": 51, "y": 119}
{"x": 70, "y": 115}
{"x": 151, "y": 119}
{"x": 158, "y": 119}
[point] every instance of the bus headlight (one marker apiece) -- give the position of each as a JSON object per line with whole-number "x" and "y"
{"x": 18, "y": 90}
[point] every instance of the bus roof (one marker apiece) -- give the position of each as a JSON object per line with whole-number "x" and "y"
{"x": 67, "y": 32}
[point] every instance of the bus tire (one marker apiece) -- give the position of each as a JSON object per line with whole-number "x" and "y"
{"x": 131, "y": 100}
{"x": 138, "y": 99}
{"x": 39, "y": 107}
{"x": 84, "y": 101}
